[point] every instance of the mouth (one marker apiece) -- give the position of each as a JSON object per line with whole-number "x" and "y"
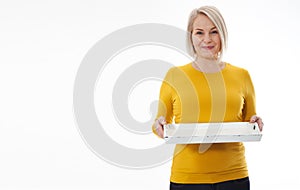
{"x": 208, "y": 47}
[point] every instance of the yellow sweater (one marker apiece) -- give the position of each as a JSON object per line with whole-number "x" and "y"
{"x": 191, "y": 96}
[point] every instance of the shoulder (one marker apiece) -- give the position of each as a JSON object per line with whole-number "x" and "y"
{"x": 179, "y": 69}
{"x": 182, "y": 67}
{"x": 237, "y": 69}
{"x": 179, "y": 74}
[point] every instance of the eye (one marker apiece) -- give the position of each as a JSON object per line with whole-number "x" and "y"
{"x": 214, "y": 32}
{"x": 199, "y": 33}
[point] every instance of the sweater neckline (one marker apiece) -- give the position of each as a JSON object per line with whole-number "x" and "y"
{"x": 213, "y": 73}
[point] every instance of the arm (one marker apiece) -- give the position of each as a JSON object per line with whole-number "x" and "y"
{"x": 249, "y": 110}
{"x": 165, "y": 105}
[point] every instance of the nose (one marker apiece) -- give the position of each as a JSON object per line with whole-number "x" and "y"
{"x": 207, "y": 38}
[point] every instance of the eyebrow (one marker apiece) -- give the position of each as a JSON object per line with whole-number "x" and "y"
{"x": 202, "y": 29}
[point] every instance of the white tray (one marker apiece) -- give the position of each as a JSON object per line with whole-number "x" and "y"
{"x": 192, "y": 133}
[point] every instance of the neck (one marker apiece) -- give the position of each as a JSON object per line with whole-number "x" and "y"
{"x": 208, "y": 65}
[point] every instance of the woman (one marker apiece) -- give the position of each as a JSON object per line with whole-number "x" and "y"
{"x": 207, "y": 90}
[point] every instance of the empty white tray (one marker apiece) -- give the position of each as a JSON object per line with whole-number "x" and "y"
{"x": 192, "y": 133}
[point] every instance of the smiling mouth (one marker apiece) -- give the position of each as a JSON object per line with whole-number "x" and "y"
{"x": 208, "y": 47}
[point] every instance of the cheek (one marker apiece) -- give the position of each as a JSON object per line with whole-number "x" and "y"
{"x": 218, "y": 41}
{"x": 196, "y": 41}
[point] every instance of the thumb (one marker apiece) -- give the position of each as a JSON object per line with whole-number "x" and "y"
{"x": 253, "y": 119}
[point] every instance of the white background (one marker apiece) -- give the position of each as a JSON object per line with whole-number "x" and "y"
{"x": 42, "y": 44}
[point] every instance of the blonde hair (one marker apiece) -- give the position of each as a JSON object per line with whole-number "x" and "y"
{"x": 215, "y": 16}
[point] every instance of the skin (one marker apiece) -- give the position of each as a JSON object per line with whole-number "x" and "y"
{"x": 207, "y": 44}
{"x": 206, "y": 39}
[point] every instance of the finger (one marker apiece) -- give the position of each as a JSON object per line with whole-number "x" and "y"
{"x": 157, "y": 125}
{"x": 258, "y": 120}
{"x": 162, "y": 120}
{"x": 260, "y": 124}
{"x": 160, "y": 131}
{"x": 253, "y": 119}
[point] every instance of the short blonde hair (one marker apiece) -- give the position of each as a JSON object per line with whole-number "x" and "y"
{"x": 215, "y": 16}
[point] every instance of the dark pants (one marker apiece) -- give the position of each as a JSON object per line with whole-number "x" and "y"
{"x": 238, "y": 184}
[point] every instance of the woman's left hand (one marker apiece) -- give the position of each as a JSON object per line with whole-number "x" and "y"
{"x": 258, "y": 120}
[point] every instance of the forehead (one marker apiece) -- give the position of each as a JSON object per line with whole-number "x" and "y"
{"x": 203, "y": 22}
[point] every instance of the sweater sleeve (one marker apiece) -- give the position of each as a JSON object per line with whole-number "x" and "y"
{"x": 249, "y": 98}
{"x": 165, "y": 104}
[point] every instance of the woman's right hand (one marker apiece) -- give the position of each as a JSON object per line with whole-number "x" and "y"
{"x": 158, "y": 125}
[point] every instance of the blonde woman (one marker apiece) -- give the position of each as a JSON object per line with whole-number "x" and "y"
{"x": 207, "y": 90}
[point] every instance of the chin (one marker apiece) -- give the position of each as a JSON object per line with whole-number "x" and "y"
{"x": 207, "y": 56}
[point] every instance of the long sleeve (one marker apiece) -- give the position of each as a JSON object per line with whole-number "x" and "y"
{"x": 249, "y": 104}
{"x": 190, "y": 96}
{"x": 165, "y": 103}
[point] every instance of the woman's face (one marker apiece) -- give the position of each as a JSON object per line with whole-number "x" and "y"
{"x": 205, "y": 38}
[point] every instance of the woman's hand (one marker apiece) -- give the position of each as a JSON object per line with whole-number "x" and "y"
{"x": 158, "y": 125}
{"x": 258, "y": 120}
